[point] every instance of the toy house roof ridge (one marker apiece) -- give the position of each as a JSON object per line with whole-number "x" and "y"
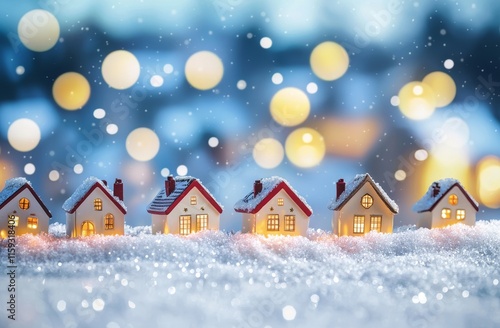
{"x": 270, "y": 186}
{"x": 14, "y": 186}
{"x": 163, "y": 204}
{"x": 354, "y": 185}
{"x": 83, "y": 191}
{"x": 429, "y": 201}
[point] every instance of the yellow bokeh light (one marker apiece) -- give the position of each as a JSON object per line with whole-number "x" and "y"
{"x": 204, "y": 70}
{"x": 268, "y": 153}
{"x": 488, "y": 176}
{"x": 120, "y": 69}
{"x": 24, "y": 135}
{"x": 71, "y": 91}
{"x": 142, "y": 144}
{"x": 443, "y": 86}
{"x": 417, "y": 100}
{"x": 38, "y": 30}
{"x": 290, "y": 106}
{"x": 329, "y": 61}
{"x": 305, "y": 147}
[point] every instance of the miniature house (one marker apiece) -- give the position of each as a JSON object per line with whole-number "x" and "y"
{"x": 95, "y": 209}
{"x": 445, "y": 203}
{"x": 362, "y": 206}
{"x": 20, "y": 205}
{"x": 184, "y": 206}
{"x": 274, "y": 208}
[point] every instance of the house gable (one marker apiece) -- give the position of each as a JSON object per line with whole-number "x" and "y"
{"x": 10, "y": 195}
{"x": 80, "y": 195}
{"x": 353, "y": 189}
{"x": 163, "y": 205}
{"x": 428, "y": 202}
{"x": 252, "y": 204}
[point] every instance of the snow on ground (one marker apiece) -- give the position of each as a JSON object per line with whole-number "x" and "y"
{"x": 414, "y": 278}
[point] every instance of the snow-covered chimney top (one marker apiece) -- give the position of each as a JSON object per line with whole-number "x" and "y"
{"x": 169, "y": 185}
{"x": 257, "y": 187}
{"x": 118, "y": 189}
{"x": 340, "y": 187}
{"x": 435, "y": 189}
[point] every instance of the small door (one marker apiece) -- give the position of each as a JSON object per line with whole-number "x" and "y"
{"x": 88, "y": 228}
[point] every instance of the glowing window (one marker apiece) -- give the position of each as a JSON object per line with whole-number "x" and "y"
{"x": 24, "y": 203}
{"x": 32, "y": 222}
{"x": 98, "y": 204}
{"x": 185, "y": 224}
{"x": 367, "y": 201}
{"x": 273, "y": 222}
{"x": 193, "y": 200}
{"x": 460, "y": 214}
{"x": 88, "y": 229}
{"x": 359, "y": 224}
{"x": 14, "y": 218}
{"x": 201, "y": 222}
{"x": 289, "y": 222}
{"x": 376, "y": 223}
{"x": 109, "y": 221}
{"x": 453, "y": 199}
{"x": 445, "y": 213}
{"x": 281, "y": 202}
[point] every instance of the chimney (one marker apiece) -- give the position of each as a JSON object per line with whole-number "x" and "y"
{"x": 257, "y": 187}
{"x": 118, "y": 189}
{"x": 105, "y": 182}
{"x": 169, "y": 185}
{"x": 435, "y": 189}
{"x": 340, "y": 187}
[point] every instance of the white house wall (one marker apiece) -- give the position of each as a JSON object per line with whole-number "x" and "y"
{"x": 463, "y": 204}
{"x": 172, "y": 219}
{"x": 86, "y": 212}
{"x": 248, "y": 223}
{"x": 35, "y": 210}
{"x": 301, "y": 219}
{"x": 343, "y": 220}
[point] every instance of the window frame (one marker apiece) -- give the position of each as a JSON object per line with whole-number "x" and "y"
{"x": 24, "y": 203}
{"x": 32, "y": 222}
{"x": 185, "y": 225}
{"x": 193, "y": 200}
{"x": 376, "y": 225}
{"x": 460, "y": 215}
{"x": 273, "y": 222}
{"x": 357, "y": 223}
{"x": 109, "y": 221}
{"x": 367, "y": 201}
{"x": 88, "y": 223}
{"x": 281, "y": 201}
{"x": 97, "y": 204}
{"x": 200, "y": 219}
{"x": 290, "y": 222}
{"x": 453, "y": 199}
{"x": 446, "y": 216}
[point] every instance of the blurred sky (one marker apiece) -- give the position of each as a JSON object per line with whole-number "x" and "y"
{"x": 389, "y": 43}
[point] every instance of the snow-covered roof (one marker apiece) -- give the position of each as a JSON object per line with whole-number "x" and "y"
{"x": 81, "y": 193}
{"x": 428, "y": 201}
{"x": 11, "y": 186}
{"x": 354, "y": 185}
{"x": 163, "y": 204}
{"x": 15, "y": 185}
{"x": 270, "y": 186}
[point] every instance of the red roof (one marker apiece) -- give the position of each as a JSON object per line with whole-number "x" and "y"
{"x": 163, "y": 204}
{"x": 80, "y": 200}
{"x": 18, "y": 191}
{"x": 251, "y": 204}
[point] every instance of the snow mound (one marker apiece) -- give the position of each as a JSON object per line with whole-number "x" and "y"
{"x": 422, "y": 278}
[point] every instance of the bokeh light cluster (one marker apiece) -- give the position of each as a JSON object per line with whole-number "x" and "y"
{"x": 230, "y": 94}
